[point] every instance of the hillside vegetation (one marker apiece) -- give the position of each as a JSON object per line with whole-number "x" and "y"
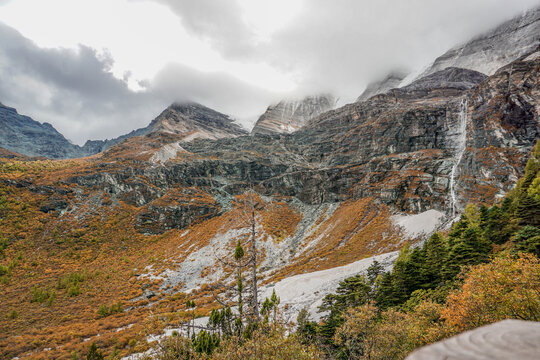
{"x": 485, "y": 269}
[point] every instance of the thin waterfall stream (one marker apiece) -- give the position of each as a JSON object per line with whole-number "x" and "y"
{"x": 461, "y": 143}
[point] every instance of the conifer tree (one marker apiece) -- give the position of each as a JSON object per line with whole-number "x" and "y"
{"x": 436, "y": 251}
{"x": 94, "y": 353}
{"x": 528, "y": 240}
{"x": 385, "y": 296}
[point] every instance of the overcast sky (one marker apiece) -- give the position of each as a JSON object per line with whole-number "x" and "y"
{"x": 97, "y": 69}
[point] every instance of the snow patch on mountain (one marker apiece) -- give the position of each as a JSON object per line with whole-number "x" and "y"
{"x": 418, "y": 225}
{"x": 308, "y": 290}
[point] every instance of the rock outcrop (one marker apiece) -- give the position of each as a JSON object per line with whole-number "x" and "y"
{"x": 195, "y": 121}
{"x": 288, "y": 116}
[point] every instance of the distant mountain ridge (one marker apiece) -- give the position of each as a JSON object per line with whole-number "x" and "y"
{"x": 26, "y": 136}
{"x": 483, "y": 54}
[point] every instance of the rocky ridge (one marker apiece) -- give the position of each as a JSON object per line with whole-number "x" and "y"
{"x": 494, "y": 49}
{"x": 188, "y": 121}
{"x": 195, "y": 121}
{"x": 392, "y": 81}
{"x": 26, "y": 136}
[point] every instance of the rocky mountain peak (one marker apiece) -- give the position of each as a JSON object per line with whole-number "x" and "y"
{"x": 194, "y": 120}
{"x": 26, "y": 136}
{"x": 288, "y": 116}
{"x": 494, "y": 49}
{"x": 391, "y": 81}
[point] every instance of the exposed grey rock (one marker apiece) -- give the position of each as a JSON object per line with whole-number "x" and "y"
{"x": 507, "y": 339}
{"x": 54, "y": 204}
{"x": 288, "y": 116}
{"x": 496, "y": 48}
{"x": 449, "y": 78}
{"x": 194, "y": 120}
{"x": 392, "y": 81}
{"x": 26, "y": 136}
{"x": 403, "y": 148}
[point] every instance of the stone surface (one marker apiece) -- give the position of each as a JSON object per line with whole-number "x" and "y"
{"x": 404, "y": 148}
{"x": 508, "y": 339}
{"x": 193, "y": 121}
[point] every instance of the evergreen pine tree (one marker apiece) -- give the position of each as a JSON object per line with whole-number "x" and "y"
{"x": 436, "y": 251}
{"x": 94, "y": 353}
{"x": 528, "y": 240}
{"x": 385, "y": 296}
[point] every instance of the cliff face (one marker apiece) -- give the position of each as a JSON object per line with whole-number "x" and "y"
{"x": 445, "y": 140}
{"x": 288, "y": 116}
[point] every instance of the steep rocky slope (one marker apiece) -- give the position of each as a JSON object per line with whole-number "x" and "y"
{"x": 195, "y": 121}
{"x": 496, "y": 48}
{"x": 26, "y": 136}
{"x": 436, "y": 144}
{"x": 288, "y": 116}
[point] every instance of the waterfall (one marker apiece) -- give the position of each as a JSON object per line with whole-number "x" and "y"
{"x": 460, "y": 144}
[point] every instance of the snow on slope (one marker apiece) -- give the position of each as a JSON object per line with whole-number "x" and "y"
{"x": 420, "y": 224}
{"x": 308, "y": 290}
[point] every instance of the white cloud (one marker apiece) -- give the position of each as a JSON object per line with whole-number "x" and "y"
{"x": 234, "y": 55}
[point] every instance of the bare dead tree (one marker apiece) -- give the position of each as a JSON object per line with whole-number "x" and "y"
{"x": 248, "y": 218}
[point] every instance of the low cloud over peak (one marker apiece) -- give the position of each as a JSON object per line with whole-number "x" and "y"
{"x": 317, "y": 46}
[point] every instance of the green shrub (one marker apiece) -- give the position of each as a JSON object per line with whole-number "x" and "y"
{"x": 13, "y": 314}
{"x": 103, "y": 311}
{"x": 3, "y": 245}
{"x": 74, "y": 290}
{"x": 71, "y": 283}
{"x": 94, "y": 353}
{"x": 43, "y": 296}
{"x": 3, "y": 270}
{"x": 116, "y": 308}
